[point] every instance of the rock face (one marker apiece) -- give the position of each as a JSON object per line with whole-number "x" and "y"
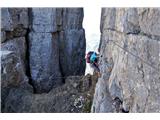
{"x": 14, "y": 22}
{"x": 17, "y": 45}
{"x": 72, "y": 42}
{"x": 50, "y": 42}
{"x": 12, "y": 74}
{"x": 39, "y": 46}
{"x": 57, "y": 46}
{"x": 14, "y": 25}
{"x": 130, "y": 62}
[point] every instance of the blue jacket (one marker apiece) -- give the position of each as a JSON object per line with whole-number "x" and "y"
{"x": 93, "y": 57}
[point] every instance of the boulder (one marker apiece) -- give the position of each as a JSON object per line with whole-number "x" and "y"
{"x": 66, "y": 98}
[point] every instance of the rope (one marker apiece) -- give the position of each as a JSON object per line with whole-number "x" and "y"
{"x": 157, "y": 70}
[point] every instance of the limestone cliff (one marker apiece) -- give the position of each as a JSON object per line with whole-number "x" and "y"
{"x": 50, "y": 41}
{"x": 56, "y": 45}
{"x": 39, "y": 47}
{"x": 130, "y": 61}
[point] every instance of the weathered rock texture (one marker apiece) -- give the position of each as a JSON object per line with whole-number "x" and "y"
{"x": 57, "y": 45}
{"x": 12, "y": 75}
{"x": 130, "y": 62}
{"x": 14, "y": 25}
{"x": 39, "y": 46}
{"x": 14, "y": 22}
{"x": 74, "y": 96}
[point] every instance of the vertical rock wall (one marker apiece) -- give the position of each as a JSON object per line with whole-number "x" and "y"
{"x": 71, "y": 41}
{"x": 49, "y": 43}
{"x": 56, "y": 45}
{"x": 130, "y": 62}
{"x": 14, "y": 25}
{"x": 43, "y": 49}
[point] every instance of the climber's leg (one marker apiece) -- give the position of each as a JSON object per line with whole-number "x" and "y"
{"x": 96, "y": 68}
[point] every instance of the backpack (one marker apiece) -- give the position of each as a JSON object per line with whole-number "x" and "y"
{"x": 93, "y": 57}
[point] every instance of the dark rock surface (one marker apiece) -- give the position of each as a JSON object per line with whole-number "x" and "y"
{"x": 50, "y": 42}
{"x": 44, "y": 61}
{"x": 74, "y": 96}
{"x": 17, "y": 45}
{"x": 12, "y": 74}
{"x": 39, "y": 46}
{"x": 57, "y": 46}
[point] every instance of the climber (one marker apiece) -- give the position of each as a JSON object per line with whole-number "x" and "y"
{"x": 92, "y": 58}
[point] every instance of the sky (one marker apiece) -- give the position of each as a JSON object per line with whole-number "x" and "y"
{"x": 91, "y": 24}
